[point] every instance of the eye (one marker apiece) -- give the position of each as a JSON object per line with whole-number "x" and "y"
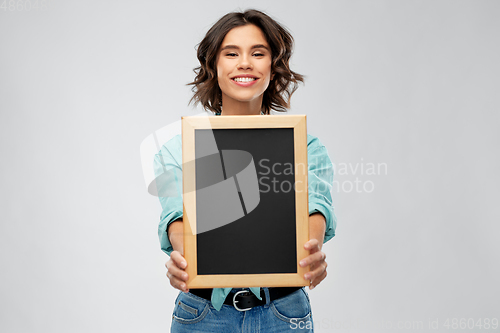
{"x": 231, "y": 54}
{"x": 258, "y": 54}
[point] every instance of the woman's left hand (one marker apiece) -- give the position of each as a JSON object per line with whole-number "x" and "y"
{"x": 316, "y": 259}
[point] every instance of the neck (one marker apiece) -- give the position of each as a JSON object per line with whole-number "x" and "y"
{"x": 231, "y": 107}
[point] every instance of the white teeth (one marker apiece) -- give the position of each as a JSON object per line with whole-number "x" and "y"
{"x": 244, "y": 79}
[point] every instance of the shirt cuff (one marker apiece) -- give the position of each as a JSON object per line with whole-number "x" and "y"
{"x": 166, "y": 246}
{"x": 330, "y": 218}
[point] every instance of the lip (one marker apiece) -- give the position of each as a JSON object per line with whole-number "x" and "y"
{"x": 245, "y": 75}
{"x": 245, "y": 84}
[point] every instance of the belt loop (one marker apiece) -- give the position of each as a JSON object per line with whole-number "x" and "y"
{"x": 266, "y": 293}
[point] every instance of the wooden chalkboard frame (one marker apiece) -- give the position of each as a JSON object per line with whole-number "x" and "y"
{"x": 192, "y": 123}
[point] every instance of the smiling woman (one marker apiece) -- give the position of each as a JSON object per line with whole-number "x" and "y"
{"x": 244, "y": 70}
{"x": 249, "y": 44}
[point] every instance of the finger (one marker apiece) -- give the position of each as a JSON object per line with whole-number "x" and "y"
{"x": 312, "y": 258}
{"x": 178, "y": 273}
{"x": 311, "y": 244}
{"x": 179, "y": 260}
{"x": 317, "y": 280}
{"x": 316, "y": 272}
{"x": 169, "y": 263}
{"x": 177, "y": 284}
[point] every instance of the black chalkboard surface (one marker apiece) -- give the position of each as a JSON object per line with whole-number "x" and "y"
{"x": 245, "y": 200}
{"x": 248, "y": 244}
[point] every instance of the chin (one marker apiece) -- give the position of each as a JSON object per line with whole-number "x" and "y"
{"x": 244, "y": 99}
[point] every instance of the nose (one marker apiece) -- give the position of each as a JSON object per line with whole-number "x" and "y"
{"x": 245, "y": 63}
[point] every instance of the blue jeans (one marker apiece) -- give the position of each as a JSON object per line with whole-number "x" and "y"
{"x": 291, "y": 313}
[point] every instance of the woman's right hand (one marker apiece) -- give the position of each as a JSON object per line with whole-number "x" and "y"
{"x": 175, "y": 271}
{"x": 177, "y": 264}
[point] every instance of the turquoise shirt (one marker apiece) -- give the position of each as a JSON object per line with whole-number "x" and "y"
{"x": 320, "y": 182}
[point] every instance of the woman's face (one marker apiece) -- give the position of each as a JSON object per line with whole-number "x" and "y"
{"x": 244, "y": 66}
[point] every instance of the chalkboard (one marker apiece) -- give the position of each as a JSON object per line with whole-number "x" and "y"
{"x": 245, "y": 200}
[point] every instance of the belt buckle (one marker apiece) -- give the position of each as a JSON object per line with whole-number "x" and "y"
{"x": 235, "y": 301}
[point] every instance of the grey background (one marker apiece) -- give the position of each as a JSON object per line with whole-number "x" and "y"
{"x": 412, "y": 84}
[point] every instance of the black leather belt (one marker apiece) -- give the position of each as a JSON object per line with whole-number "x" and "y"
{"x": 244, "y": 300}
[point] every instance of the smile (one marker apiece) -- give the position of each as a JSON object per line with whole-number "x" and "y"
{"x": 244, "y": 81}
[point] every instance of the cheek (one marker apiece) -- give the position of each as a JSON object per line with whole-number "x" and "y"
{"x": 269, "y": 71}
{"x": 218, "y": 69}
{"x": 220, "y": 81}
{"x": 219, "y": 78}
{"x": 220, "y": 73}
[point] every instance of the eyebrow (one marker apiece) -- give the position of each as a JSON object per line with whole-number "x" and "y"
{"x": 257, "y": 46}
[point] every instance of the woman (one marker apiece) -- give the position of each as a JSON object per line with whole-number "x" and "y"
{"x": 245, "y": 70}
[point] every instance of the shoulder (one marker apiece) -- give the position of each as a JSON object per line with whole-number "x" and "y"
{"x": 174, "y": 144}
{"x": 172, "y": 149}
{"x": 313, "y": 143}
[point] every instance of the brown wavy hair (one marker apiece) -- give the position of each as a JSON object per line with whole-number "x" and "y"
{"x": 285, "y": 81}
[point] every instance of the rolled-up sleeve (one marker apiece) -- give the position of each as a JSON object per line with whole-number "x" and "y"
{"x": 168, "y": 173}
{"x": 320, "y": 182}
